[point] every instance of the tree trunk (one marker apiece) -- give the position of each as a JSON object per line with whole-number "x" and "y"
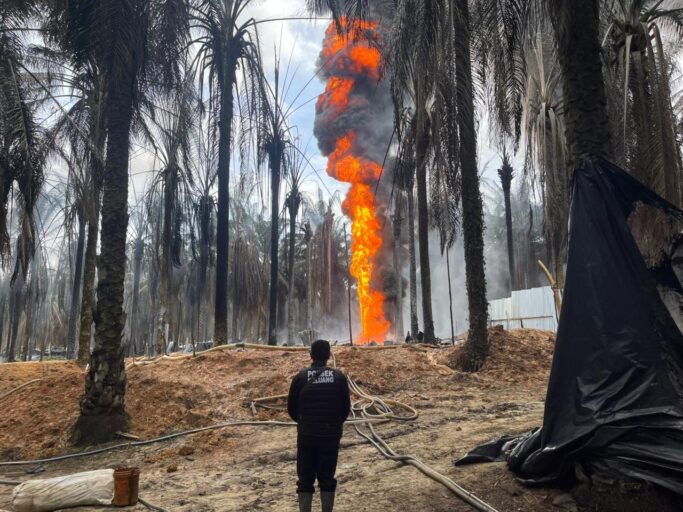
{"x": 309, "y": 283}
{"x": 153, "y": 292}
{"x": 90, "y": 262}
{"x": 3, "y": 301}
{"x": 398, "y": 314}
{"x": 102, "y": 406}
{"x": 28, "y": 320}
{"x": 293, "y": 205}
{"x": 476, "y": 348}
{"x": 576, "y": 24}
{"x": 450, "y": 295}
{"x": 329, "y": 217}
{"x": 223, "y": 217}
{"x": 236, "y": 254}
{"x": 15, "y": 308}
{"x": 505, "y": 173}
{"x": 414, "y": 327}
{"x": 274, "y": 232}
{"x": 421, "y": 138}
{"x": 76, "y": 288}
{"x": 88, "y": 301}
{"x": 165, "y": 296}
{"x": 138, "y": 252}
{"x": 205, "y": 209}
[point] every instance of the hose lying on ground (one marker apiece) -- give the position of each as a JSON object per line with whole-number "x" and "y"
{"x": 151, "y": 506}
{"x": 133, "y": 444}
{"x": 256, "y": 346}
{"x": 370, "y": 407}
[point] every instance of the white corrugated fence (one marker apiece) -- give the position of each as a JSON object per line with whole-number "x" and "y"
{"x": 533, "y": 308}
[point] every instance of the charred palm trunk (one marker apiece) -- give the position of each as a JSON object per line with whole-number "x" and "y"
{"x": 450, "y": 294}
{"x": 205, "y": 208}
{"x": 398, "y": 314}
{"x": 88, "y": 296}
{"x": 293, "y": 202}
{"x": 235, "y": 289}
{"x": 275, "y": 161}
{"x": 15, "y": 309}
{"x": 309, "y": 279}
{"x": 222, "y": 223}
{"x": 476, "y": 348}
{"x": 505, "y": 173}
{"x": 137, "y": 271}
{"x": 421, "y": 139}
{"x": 154, "y": 294}
{"x": 28, "y": 321}
{"x": 414, "y": 327}
{"x": 165, "y": 301}
{"x": 90, "y": 261}
{"x": 576, "y": 24}
{"x": 3, "y": 301}
{"x": 76, "y": 288}
{"x": 102, "y": 406}
{"x": 236, "y": 255}
{"x": 329, "y": 218}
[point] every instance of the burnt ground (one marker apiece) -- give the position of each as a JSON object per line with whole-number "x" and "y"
{"x": 253, "y": 468}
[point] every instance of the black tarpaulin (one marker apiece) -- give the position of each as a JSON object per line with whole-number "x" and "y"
{"x": 614, "y": 402}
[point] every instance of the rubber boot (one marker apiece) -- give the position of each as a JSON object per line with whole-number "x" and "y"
{"x": 305, "y": 501}
{"x": 327, "y": 500}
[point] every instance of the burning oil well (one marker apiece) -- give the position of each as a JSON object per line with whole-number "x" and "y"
{"x": 353, "y": 126}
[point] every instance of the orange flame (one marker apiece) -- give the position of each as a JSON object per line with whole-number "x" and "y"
{"x": 348, "y": 59}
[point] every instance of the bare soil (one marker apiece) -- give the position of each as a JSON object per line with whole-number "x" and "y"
{"x": 253, "y": 468}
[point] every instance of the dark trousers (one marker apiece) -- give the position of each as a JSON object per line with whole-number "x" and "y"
{"x": 316, "y": 458}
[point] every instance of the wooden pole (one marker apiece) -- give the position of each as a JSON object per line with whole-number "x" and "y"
{"x": 348, "y": 284}
{"x": 450, "y": 296}
{"x": 554, "y": 287}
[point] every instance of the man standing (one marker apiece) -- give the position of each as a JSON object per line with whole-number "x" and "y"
{"x": 319, "y": 401}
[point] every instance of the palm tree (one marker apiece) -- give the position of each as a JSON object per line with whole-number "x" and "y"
{"x": 414, "y": 67}
{"x": 74, "y": 313}
{"x": 23, "y": 145}
{"x": 226, "y": 43}
{"x": 639, "y": 93}
{"x": 273, "y": 144}
{"x": 476, "y": 347}
{"x": 201, "y": 228}
{"x": 118, "y": 36}
{"x": 293, "y": 203}
{"x": 405, "y": 179}
{"x": 174, "y": 123}
{"x": 543, "y": 126}
{"x": 81, "y": 127}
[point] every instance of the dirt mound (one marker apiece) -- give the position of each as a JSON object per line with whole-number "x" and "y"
{"x": 13, "y": 374}
{"x": 520, "y": 356}
{"x": 170, "y": 396}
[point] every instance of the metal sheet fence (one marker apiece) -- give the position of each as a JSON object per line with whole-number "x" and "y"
{"x": 533, "y": 308}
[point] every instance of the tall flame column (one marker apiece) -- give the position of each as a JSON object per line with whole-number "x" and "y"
{"x": 351, "y": 66}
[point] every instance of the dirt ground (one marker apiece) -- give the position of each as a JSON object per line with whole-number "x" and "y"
{"x": 253, "y": 468}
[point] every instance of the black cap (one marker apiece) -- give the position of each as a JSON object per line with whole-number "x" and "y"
{"x": 320, "y": 350}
